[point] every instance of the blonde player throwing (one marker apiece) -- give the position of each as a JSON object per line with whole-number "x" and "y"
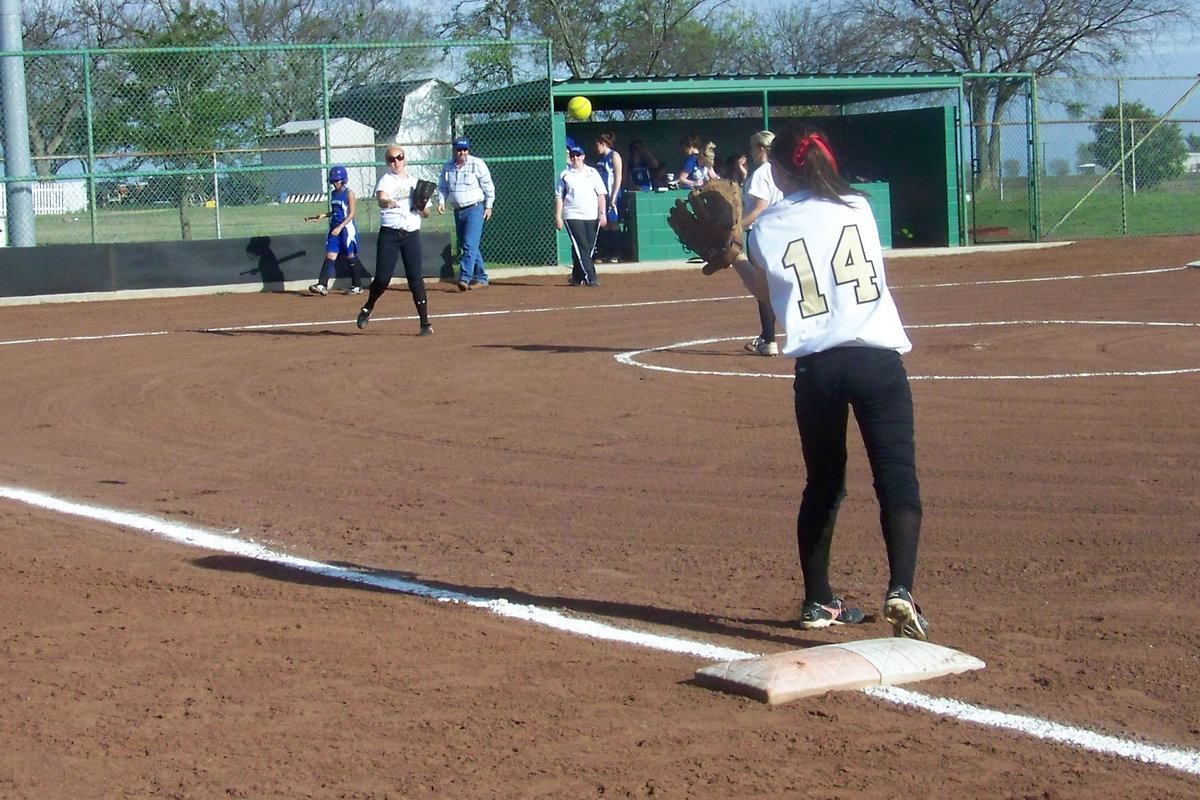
{"x": 399, "y": 238}
{"x": 815, "y": 256}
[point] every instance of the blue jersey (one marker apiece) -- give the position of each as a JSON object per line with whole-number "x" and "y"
{"x": 604, "y": 165}
{"x": 339, "y": 206}
{"x": 641, "y": 177}
{"x": 339, "y": 209}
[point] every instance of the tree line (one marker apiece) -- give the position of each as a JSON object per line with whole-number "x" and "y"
{"x": 140, "y": 94}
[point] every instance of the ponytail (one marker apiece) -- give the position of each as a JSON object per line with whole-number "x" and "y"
{"x": 803, "y": 153}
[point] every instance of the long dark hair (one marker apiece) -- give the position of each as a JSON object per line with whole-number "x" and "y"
{"x": 803, "y": 152}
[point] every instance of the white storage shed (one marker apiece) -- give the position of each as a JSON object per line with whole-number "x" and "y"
{"x": 303, "y": 144}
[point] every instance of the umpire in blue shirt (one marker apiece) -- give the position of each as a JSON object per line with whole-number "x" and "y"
{"x": 466, "y": 186}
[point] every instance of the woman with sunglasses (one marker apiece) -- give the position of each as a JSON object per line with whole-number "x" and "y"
{"x": 579, "y": 207}
{"x": 399, "y": 237}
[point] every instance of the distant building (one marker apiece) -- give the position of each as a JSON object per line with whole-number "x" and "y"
{"x": 1191, "y": 162}
{"x": 413, "y": 114}
{"x": 303, "y": 144}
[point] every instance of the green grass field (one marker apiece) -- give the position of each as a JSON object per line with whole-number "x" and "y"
{"x": 1170, "y": 208}
{"x": 236, "y": 222}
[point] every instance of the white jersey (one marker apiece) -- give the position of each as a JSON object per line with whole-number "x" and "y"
{"x": 400, "y": 189}
{"x": 578, "y": 189}
{"x": 824, "y": 268}
{"x": 761, "y": 186}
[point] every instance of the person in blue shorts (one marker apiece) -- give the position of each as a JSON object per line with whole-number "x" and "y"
{"x": 343, "y": 236}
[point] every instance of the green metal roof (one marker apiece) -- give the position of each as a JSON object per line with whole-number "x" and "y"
{"x": 707, "y": 91}
{"x": 703, "y": 91}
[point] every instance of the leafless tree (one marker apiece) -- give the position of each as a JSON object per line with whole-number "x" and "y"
{"x": 1002, "y": 37}
{"x": 55, "y": 100}
{"x": 620, "y": 38}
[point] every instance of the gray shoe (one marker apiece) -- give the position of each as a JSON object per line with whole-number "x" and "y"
{"x": 905, "y": 615}
{"x": 762, "y": 347}
{"x": 364, "y": 316}
{"x": 835, "y": 612}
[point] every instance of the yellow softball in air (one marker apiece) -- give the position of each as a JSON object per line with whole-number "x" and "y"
{"x": 579, "y": 107}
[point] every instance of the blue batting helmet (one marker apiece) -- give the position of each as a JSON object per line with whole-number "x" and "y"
{"x": 337, "y": 174}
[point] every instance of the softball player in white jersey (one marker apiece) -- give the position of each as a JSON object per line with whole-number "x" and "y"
{"x": 817, "y": 254}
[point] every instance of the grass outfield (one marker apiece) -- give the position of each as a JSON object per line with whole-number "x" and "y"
{"x": 1171, "y": 208}
{"x": 236, "y": 222}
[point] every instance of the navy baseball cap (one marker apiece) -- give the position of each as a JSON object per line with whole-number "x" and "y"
{"x": 462, "y": 144}
{"x": 573, "y": 148}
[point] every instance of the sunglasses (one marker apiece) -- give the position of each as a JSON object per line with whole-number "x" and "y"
{"x": 394, "y": 158}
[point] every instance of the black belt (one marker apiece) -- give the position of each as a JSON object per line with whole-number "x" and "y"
{"x": 468, "y": 205}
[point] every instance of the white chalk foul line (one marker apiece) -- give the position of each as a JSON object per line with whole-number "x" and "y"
{"x": 1175, "y": 758}
{"x": 270, "y": 326}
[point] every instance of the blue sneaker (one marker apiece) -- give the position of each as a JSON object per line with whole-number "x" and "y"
{"x": 835, "y": 612}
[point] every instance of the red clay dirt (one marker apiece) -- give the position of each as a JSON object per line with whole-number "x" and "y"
{"x": 512, "y": 455}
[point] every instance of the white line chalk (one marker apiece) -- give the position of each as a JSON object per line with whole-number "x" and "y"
{"x": 1179, "y": 759}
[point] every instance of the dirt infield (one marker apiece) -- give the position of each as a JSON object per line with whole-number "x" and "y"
{"x": 518, "y": 454}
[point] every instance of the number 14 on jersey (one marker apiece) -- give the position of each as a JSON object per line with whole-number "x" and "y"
{"x": 849, "y": 265}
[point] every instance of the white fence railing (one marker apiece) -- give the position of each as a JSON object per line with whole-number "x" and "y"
{"x": 53, "y": 197}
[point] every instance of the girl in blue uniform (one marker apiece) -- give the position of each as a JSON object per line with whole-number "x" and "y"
{"x": 611, "y": 171}
{"x": 343, "y": 236}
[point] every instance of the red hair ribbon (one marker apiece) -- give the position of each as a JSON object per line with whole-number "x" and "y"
{"x": 802, "y": 146}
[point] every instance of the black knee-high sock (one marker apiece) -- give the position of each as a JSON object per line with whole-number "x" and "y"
{"x": 814, "y": 535}
{"x": 901, "y": 535}
{"x": 357, "y": 271}
{"x": 327, "y": 271}
{"x": 373, "y": 295}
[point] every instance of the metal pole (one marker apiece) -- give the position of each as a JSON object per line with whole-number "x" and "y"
{"x": 216, "y": 194}
{"x": 17, "y": 162}
{"x": 1124, "y": 155}
{"x": 1133, "y": 157}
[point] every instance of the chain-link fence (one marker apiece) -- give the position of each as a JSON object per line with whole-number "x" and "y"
{"x": 1101, "y": 157}
{"x": 1119, "y": 156}
{"x": 174, "y": 144}
{"x": 1000, "y": 187}
{"x": 170, "y": 144}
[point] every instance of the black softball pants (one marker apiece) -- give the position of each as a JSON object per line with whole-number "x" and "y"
{"x": 582, "y": 233}
{"x": 391, "y": 245}
{"x": 872, "y": 382}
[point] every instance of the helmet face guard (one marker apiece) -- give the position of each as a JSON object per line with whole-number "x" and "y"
{"x": 337, "y": 174}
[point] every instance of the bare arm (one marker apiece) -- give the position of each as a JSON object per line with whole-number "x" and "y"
{"x": 752, "y": 214}
{"x": 618, "y": 177}
{"x": 754, "y": 279}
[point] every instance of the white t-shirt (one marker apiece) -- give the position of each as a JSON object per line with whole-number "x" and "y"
{"x": 761, "y": 186}
{"x": 579, "y": 189}
{"x": 400, "y": 189}
{"x": 824, "y": 268}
